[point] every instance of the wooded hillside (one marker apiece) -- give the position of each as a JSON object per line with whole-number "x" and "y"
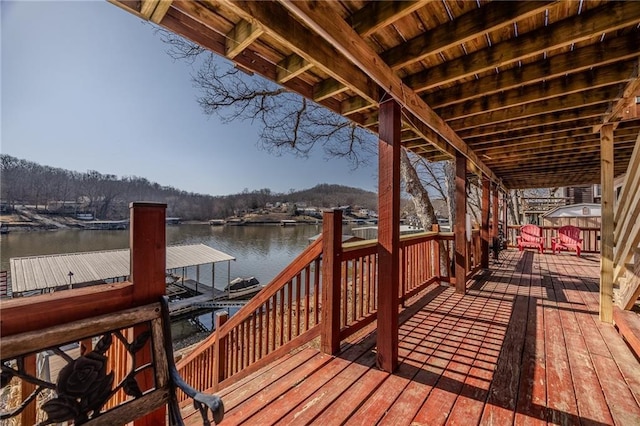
{"x": 108, "y": 196}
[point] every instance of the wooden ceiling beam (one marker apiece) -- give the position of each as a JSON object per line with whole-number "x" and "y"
{"x": 291, "y": 67}
{"x": 605, "y": 18}
{"x": 280, "y": 25}
{"x": 366, "y": 21}
{"x": 328, "y": 88}
{"x": 240, "y": 37}
{"x": 376, "y": 15}
{"x": 198, "y": 32}
{"x": 550, "y": 89}
{"x": 597, "y": 96}
{"x": 628, "y": 95}
{"x": 608, "y": 52}
{"x": 559, "y": 151}
{"x": 545, "y": 131}
{"x": 499, "y": 148}
{"x": 464, "y": 28}
{"x": 591, "y": 114}
{"x": 322, "y": 19}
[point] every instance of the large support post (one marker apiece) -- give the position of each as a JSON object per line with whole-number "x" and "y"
{"x": 484, "y": 226}
{"x": 460, "y": 241}
{"x": 607, "y": 228}
{"x": 494, "y": 211}
{"x": 388, "y": 234}
{"x": 331, "y": 264}
{"x": 148, "y": 246}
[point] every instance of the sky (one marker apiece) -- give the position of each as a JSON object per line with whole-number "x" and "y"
{"x": 88, "y": 86}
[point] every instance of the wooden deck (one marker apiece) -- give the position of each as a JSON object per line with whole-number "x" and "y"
{"x": 524, "y": 346}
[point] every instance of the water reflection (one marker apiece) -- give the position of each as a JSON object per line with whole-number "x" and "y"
{"x": 260, "y": 251}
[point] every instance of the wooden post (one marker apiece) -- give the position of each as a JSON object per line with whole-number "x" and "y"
{"x": 331, "y": 267}
{"x": 28, "y": 415}
{"x": 148, "y": 246}
{"x": 436, "y": 253}
{"x": 460, "y": 240}
{"x": 505, "y": 217}
{"x": 607, "y": 226}
{"x": 220, "y": 361}
{"x": 388, "y": 234}
{"x": 484, "y": 226}
{"x": 494, "y": 211}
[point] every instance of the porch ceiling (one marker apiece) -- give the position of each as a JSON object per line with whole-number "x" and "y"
{"x": 521, "y": 88}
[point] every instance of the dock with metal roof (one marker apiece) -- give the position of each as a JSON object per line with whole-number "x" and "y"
{"x": 56, "y": 272}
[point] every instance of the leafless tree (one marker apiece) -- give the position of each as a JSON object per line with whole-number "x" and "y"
{"x": 288, "y": 121}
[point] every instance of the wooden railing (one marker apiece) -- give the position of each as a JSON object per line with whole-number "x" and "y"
{"x": 287, "y": 313}
{"x": 590, "y": 237}
{"x": 626, "y": 256}
{"x": 284, "y": 315}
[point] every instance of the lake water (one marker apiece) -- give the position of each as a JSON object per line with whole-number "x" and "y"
{"x": 261, "y": 250}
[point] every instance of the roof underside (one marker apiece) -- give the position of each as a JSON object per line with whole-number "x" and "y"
{"x": 45, "y": 272}
{"x": 520, "y": 88}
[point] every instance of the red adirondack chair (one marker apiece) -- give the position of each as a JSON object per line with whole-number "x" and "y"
{"x": 530, "y": 236}
{"x": 568, "y": 239}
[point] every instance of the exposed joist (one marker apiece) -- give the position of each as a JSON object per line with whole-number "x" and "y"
{"x": 585, "y": 58}
{"x": 550, "y": 89}
{"x": 291, "y": 67}
{"x": 278, "y": 24}
{"x": 376, "y": 15}
{"x": 628, "y": 95}
{"x": 551, "y": 153}
{"x": 597, "y": 96}
{"x": 605, "y": 18}
{"x": 240, "y": 37}
{"x": 324, "y": 21}
{"x": 583, "y": 114}
{"x": 464, "y": 28}
{"x": 328, "y": 88}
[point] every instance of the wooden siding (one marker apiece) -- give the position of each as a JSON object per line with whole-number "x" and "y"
{"x": 524, "y": 346}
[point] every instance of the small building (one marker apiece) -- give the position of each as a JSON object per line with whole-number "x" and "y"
{"x": 586, "y": 215}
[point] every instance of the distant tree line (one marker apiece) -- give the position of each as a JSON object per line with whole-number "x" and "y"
{"x": 107, "y": 197}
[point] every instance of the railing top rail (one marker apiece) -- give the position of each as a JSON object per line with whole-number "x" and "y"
{"x": 25, "y": 314}
{"x": 309, "y": 254}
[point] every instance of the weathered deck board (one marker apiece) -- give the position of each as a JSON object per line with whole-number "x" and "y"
{"x": 524, "y": 346}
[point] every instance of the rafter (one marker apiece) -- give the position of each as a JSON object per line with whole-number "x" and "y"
{"x": 279, "y": 25}
{"x": 595, "y": 55}
{"x": 628, "y": 95}
{"x": 379, "y": 14}
{"x": 240, "y": 37}
{"x": 605, "y": 18}
{"x": 323, "y": 20}
{"x": 583, "y": 114}
{"x": 550, "y": 89}
{"x": 549, "y": 106}
{"x": 291, "y": 67}
{"x": 467, "y": 27}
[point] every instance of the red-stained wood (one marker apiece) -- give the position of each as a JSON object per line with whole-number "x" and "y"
{"x": 28, "y": 416}
{"x": 388, "y": 234}
{"x": 241, "y": 408}
{"x": 624, "y": 408}
{"x": 148, "y": 247}
{"x": 494, "y": 210}
{"x": 27, "y": 313}
{"x": 331, "y": 271}
{"x": 455, "y": 355}
{"x": 484, "y": 226}
{"x": 459, "y": 227}
{"x": 628, "y": 324}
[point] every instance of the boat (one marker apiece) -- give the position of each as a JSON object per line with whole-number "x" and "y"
{"x": 242, "y": 287}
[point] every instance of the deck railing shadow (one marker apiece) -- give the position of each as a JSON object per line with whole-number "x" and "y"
{"x": 496, "y": 358}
